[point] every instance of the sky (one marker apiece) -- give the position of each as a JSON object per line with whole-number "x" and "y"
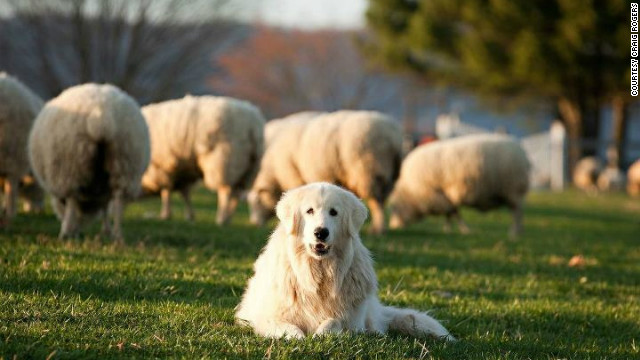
{"x": 304, "y": 14}
{"x": 309, "y": 14}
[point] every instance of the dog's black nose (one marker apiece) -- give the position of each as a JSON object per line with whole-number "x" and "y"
{"x": 321, "y": 233}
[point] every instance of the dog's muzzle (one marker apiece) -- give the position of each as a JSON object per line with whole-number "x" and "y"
{"x": 319, "y": 248}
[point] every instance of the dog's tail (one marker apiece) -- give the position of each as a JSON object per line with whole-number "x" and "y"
{"x": 415, "y": 323}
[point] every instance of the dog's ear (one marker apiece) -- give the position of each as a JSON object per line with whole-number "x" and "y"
{"x": 288, "y": 211}
{"x": 357, "y": 214}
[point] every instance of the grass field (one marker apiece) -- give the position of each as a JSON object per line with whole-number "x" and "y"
{"x": 171, "y": 290}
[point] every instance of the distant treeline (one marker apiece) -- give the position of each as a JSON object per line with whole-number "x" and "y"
{"x": 150, "y": 60}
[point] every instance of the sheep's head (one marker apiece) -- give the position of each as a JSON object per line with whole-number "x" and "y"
{"x": 262, "y": 204}
{"x": 151, "y": 180}
{"x": 402, "y": 210}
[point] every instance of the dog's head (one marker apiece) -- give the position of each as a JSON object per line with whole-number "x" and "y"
{"x": 324, "y": 217}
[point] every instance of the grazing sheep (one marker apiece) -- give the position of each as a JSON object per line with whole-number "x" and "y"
{"x": 359, "y": 150}
{"x": 18, "y": 108}
{"x": 30, "y": 192}
{"x": 481, "y": 171}
{"x": 219, "y": 139}
{"x": 88, "y": 148}
{"x": 611, "y": 179}
{"x": 278, "y": 168}
{"x": 585, "y": 174}
{"x": 633, "y": 179}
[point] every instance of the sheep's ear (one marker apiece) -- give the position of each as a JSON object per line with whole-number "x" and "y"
{"x": 357, "y": 214}
{"x": 288, "y": 211}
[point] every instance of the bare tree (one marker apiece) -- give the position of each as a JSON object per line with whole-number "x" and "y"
{"x": 152, "y": 49}
{"x": 284, "y": 71}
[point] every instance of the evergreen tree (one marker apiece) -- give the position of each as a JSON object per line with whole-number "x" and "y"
{"x": 575, "y": 53}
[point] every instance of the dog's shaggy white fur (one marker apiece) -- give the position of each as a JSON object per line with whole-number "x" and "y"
{"x": 315, "y": 276}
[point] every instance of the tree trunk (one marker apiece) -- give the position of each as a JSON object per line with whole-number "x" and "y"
{"x": 572, "y": 117}
{"x": 619, "y": 124}
{"x": 590, "y": 135}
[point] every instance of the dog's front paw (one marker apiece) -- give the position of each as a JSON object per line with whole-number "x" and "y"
{"x": 293, "y": 333}
{"x": 282, "y": 330}
{"x": 329, "y": 326}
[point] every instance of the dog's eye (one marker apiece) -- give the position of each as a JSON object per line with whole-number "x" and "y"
{"x": 310, "y": 211}
{"x": 333, "y": 212}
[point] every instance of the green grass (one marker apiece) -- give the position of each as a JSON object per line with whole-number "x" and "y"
{"x": 170, "y": 292}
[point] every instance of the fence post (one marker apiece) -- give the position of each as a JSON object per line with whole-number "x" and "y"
{"x": 558, "y": 157}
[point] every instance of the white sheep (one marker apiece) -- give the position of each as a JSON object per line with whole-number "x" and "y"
{"x": 219, "y": 139}
{"x": 611, "y": 179}
{"x": 359, "y": 150}
{"x": 585, "y": 174}
{"x": 633, "y": 179}
{"x": 481, "y": 171}
{"x": 18, "y": 108}
{"x": 89, "y": 148}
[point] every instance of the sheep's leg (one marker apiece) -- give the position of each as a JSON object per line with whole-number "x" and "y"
{"x": 188, "y": 211}
{"x": 516, "y": 227}
{"x": 106, "y": 222}
{"x": 448, "y": 223}
{"x": 10, "y": 197}
{"x": 233, "y": 203}
{"x": 70, "y": 219}
{"x": 462, "y": 226}
{"x": 165, "y": 195}
{"x": 224, "y": 204}
{"x": 116, "y": 212}
{"x": 377, "y": 216}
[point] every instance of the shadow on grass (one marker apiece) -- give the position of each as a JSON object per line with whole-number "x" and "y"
{"x": 235, "y": 240}
{"x": 585, "y": 214}
{"x": 546, "y": 333}
{"x": 496, "y": 266}
{"x": 510, "y": 336}
{"x": 115, "y": 286}
{"x": 43, "y": 347}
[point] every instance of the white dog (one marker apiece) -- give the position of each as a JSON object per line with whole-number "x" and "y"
{"x": 315, "y": 276}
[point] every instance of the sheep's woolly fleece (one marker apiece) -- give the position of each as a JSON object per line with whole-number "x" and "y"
{"x": 87, "y": 145}
{"x": 633, "y": 179}
{"x": 481, "y": 171}
{"x": 219, "y": 139}
{"x": 18, "y": 109}
{"x": 360, "y": 150}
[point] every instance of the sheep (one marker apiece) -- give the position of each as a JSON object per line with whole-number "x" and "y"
{"x": 18, "y": 108}
{"x": 611, "y": 179}
{"x": 359, "y": 150}
{"x": 278, "y": 169}
{"x": 481, "y": 171}
{"x": 219, "y": 139}
{"x": 633, "y": 179}
{"x": 30, "y": 192}
{"x": 585, "y": 174}
{"x": 88, "y": 148}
